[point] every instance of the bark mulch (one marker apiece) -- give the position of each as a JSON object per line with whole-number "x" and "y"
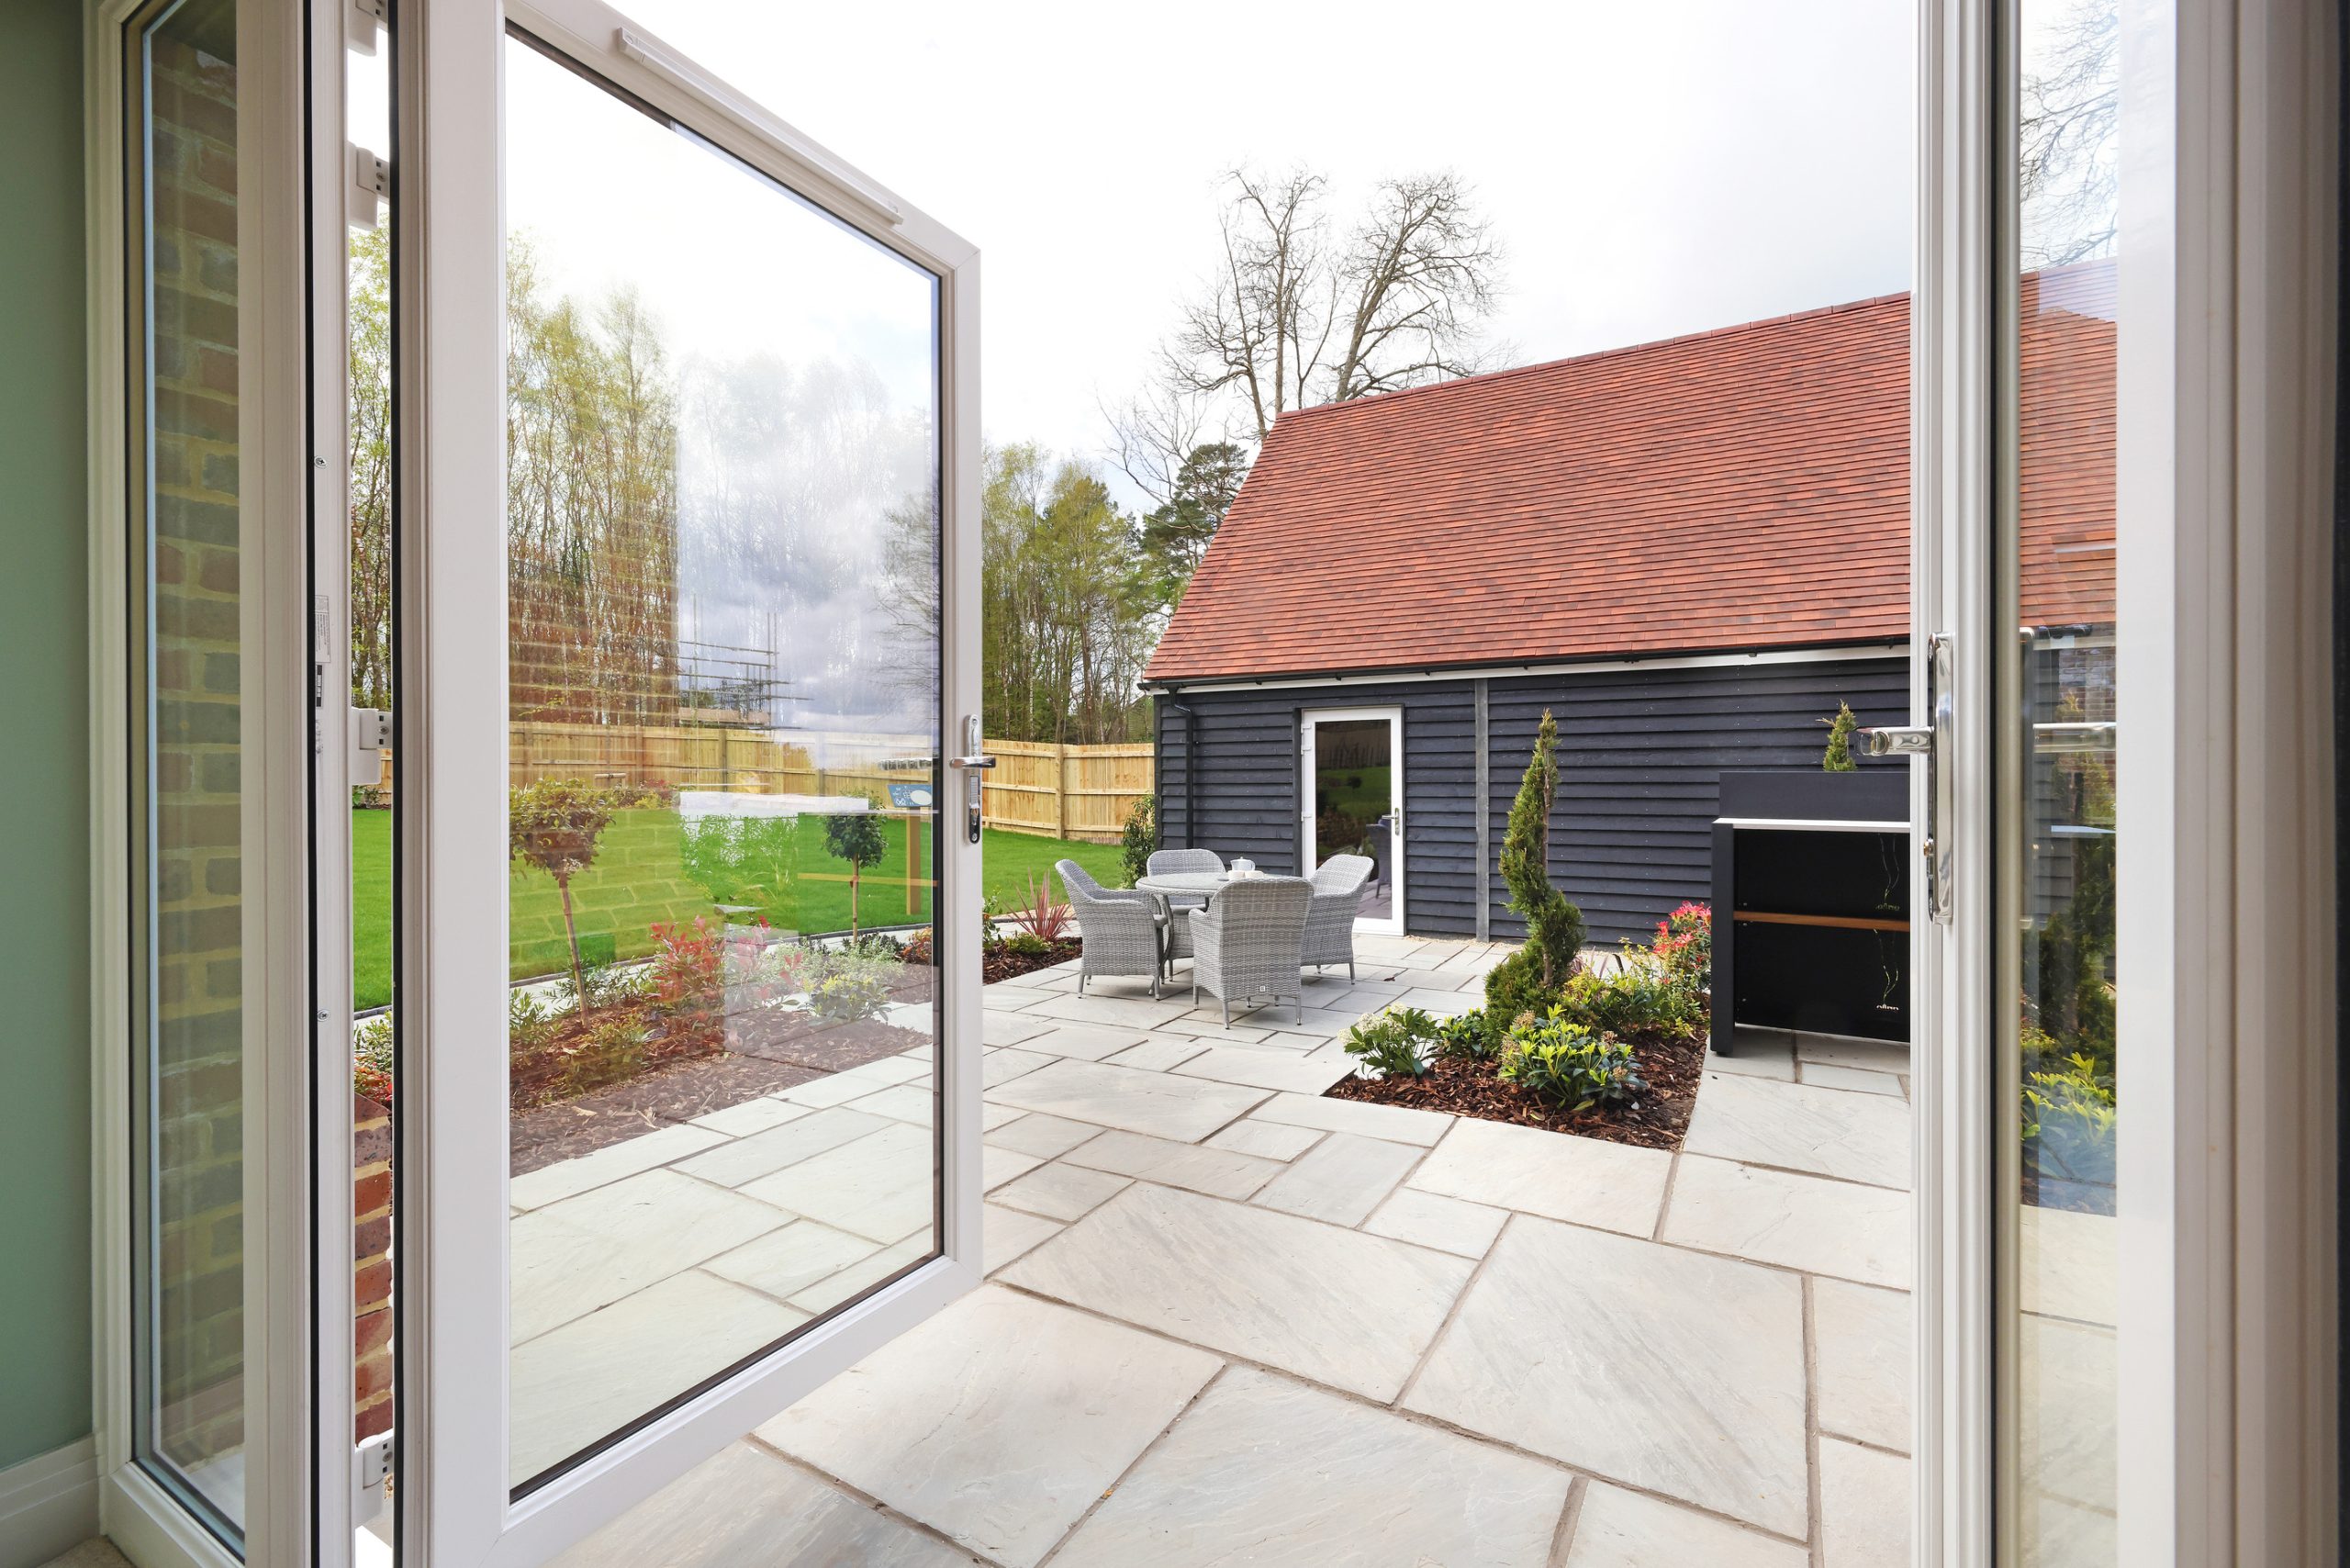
{"x": 1656, "y": 1120}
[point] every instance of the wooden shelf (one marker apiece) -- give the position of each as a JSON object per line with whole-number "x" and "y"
{"x": 1833, "y": 922}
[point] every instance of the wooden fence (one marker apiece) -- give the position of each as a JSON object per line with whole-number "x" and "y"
{"x": 1077, "y": 791}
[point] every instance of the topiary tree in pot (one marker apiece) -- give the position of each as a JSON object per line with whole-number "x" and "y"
{"x": 1530, "y": 979}
{"x": 554, "y": 824}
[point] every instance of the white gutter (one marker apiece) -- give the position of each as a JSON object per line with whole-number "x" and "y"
{"x": 1497, "y": 672}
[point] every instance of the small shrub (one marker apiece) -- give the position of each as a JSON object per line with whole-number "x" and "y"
{"x": 1839, "y": 755}
{"x": 1028, "y": 944}
{"x": 2069, "y": 1110}
{"x": 916, "y": 950}
{"x": 529, "y": 1022}
{"x": 1635, "y": 1000}
{"x": 848, "y": 996}
{"x": 1684, "y": 945}
{"x": 602, "y": 985}
{"x": 1563, "y": 1063}
{"x": 1516, "y": 987}
{"x": 1394, "y": 1044}
{"x": 1041, "y": 917}
{"x": 612, "y": 1051}
{"x": 689, "y": 981}
{"x": 1139, "y": 838}
{"x": 1467, "y": 1038}
{"x": 371, "y": 1058}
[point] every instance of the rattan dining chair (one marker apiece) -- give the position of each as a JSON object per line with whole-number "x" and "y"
{"x": 1120, "y": 928}
{"x": 1339, "y": 883}
{"x": 1179, "y": 906}
{"x": 1246, "y": 943}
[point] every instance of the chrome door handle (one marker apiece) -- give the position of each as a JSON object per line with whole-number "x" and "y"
{"x": 1932, "y": 740}
{"x": 973, "y": 765}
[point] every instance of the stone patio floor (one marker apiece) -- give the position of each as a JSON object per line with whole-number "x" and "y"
{"x": 1229, "y": 1321}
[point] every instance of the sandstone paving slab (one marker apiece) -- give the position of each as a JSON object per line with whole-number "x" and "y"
{"x": 1843, "y": 1229}
{"x": 1683, "y": 1374}
{"x": 999, "y": 1028}
{"x": 1337, "y": 1306}
{"x": 1431, "y": 1219}
{"x": 745, "y": 1160}
{"x": 1268, "y": 1140}
{"x": 1062, "y": 1192}
{"x": 1583, "y": 1181}
{"x": 1796, "y": 1126}
{"x": 586, "y": 1253}
{"x": 1185, "y": 1109}
{"x": 1084, "y": 1041}
{"x": 1863, "y": 1506}
{"x": 834, "y": 1289}
{"x": 1005, "y": 1233}
{"x": 784, "y": 1262}
{"x": 1341, "y": 1179}
{"x": 1138, "y": 1010}
{"x": 1266, "y": 1472}
{"x": 582, "y": 1381}
{"x": 1397, "y": 1124}
{"x": 751, "y": 1116}
{"x": 566, "y": 1177}
{"x": 747, "y": 1508}
{"x": 879, "y": 1186}
{"x": 1861, "y": 1338}
{"x": 1219, "y": 1173}
{"x": 1615, "y": 1528}
{"x": 1263, "y": 1070}
{"x": 1037, "y": 1134}
{"x": 1159, "y": 1053}
{"x": 1822, "y": 1075}
{"x": 998, "y": 1422}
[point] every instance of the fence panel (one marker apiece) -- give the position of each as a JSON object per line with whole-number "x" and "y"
{"x": 1056, "y": 791}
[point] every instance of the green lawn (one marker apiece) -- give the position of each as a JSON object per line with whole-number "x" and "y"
{"x": 639, "y": 879}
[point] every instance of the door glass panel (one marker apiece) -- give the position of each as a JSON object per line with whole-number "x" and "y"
{"x": 722, "y": 592}
{"x": 1354, "y": 772}
{"x": 2059, "y": 679}
{"x": 186, "y": 663}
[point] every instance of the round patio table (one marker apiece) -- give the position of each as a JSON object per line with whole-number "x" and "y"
{"x": 1201, "y": 885}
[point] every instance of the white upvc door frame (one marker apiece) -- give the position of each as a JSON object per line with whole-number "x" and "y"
{"x": 2228, "y": 1365}
{"x": 449, "y": 402}
{"x": 1393, "y": 924}
{"x": 138, "y": 1513}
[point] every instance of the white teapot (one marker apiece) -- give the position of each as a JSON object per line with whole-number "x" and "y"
{"x": 1243, "y": 868}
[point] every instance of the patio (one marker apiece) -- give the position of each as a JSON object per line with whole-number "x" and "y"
{"x": 1229, "y": 1320}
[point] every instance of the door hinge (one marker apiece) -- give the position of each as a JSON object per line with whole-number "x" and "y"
{"x": 371, "y": 736}
{"x": 371, "y": 184}
{"x": 361, "y": 20}
{"x": 371, "y": 1467}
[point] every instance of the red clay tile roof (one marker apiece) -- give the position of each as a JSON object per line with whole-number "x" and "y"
{"x": 1743, "y": 488}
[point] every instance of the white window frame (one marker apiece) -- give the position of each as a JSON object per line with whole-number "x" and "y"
{"x": 135, "y": 1511}
{"x": 1393, "y": 924}
{"x": 2228, "y": 1369}
{"x": 452, "y": 1286}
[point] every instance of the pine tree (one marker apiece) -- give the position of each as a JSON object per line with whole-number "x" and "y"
{"x": 1554, "y": 927}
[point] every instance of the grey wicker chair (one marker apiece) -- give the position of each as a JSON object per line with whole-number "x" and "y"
{"x": 1246, "y": 943}
{"x": 1120, "y": 927}
{"x": 1169, "y": 862}
{"x": 1339, "y": 883}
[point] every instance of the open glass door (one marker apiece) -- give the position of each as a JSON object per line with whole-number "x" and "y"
{"x": 694, "y": 990}
{"x": 1352, "y": 764}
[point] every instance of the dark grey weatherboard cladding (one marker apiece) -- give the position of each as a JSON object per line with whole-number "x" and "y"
{"x": 1641, "y": 752}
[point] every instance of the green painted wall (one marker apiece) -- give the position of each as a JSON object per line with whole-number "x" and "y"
{"x": 44, "y": 833}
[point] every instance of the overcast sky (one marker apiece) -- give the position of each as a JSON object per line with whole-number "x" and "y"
{"x": 1653, "y": 169}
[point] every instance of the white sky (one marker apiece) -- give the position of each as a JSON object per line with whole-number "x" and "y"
{"x": 1652, "y": 169}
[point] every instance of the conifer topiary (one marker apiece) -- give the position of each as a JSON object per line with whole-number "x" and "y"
{"x": 1554, "y": 931}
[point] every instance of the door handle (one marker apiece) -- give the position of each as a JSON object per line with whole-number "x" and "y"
{"x": 973, "y": 765}
{"x": 1932, "y": 740}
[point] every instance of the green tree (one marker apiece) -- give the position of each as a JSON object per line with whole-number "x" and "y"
{"x": 1175, "y": 534}
{"x": 1140, "y": 837}
{"x": 1529, "y": 978}
{"x": 370, "y": 495}
{"x": 1839, "y": 758}
{"x": 554, "y": 824}
{"x": 856, "y": 837}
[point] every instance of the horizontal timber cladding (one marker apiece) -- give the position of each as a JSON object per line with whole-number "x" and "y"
{"x": 1640, "y": 756}
{"x": 1641, "y": 751}
{"x": 1243, "y": 783}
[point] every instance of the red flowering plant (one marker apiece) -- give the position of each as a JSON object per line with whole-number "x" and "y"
{"x": 690, "y": 983}
{"x": 1685, "y": 946}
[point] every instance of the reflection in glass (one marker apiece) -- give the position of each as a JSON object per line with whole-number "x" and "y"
{"x": 723, "y": 693}
{"x": 2060, "y": 680}
{"x": 186, "y": 663}
{"x": 1354, "y": 802}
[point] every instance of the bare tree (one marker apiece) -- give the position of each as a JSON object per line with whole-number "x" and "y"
{"x": 2072, "y": 102}
{"x": 1296, "y": 316}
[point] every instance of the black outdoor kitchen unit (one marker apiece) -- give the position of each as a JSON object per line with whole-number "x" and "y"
{"x": 1811, "y": 903}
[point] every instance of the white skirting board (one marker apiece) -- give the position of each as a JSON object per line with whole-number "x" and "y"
{"x": 49, "y": 1505}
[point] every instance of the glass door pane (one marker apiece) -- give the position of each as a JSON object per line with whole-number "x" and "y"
{"x": 1354, "y": 792}
{"x": 723, "y": 698}
{"x": 2057, "y": 788}
{"x": 186, "y": 658}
